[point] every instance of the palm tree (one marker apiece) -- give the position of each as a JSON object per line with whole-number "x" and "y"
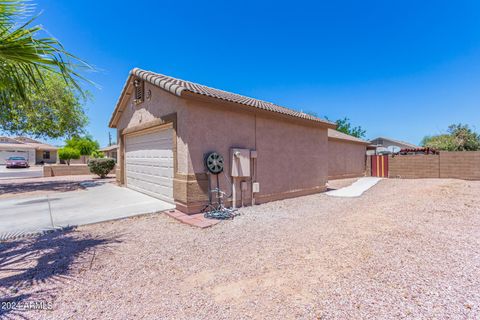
{"x": 25, "y": 54}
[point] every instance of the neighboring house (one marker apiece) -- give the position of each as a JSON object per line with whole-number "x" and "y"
{"x": 346, "y": 155}
{"x": 110, "y": 151}
{"x": 34, "y": 151}
{"x": 382, "y": 145}
{"x": 167, "y": 126}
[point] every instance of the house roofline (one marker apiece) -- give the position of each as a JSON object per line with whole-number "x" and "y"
{"x": 159, "y": 81}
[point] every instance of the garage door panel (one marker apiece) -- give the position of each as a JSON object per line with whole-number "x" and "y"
{"x": 151, "y": 190}
{"x": 143, "y": 166}
{"x": 146, "y": 159}
{"x": 5, "y": 154}
{"x": 149, "y": 163}
{"x": 151, "y": 178}
{"x": 144, "y": 142}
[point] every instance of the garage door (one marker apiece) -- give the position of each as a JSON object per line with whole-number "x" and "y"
{"x": 5, "y": 154}
{"x": 149, "y": 163}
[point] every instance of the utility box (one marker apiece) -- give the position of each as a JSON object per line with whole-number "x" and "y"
{"x": 240, "y": 162}
{"x": 256, "y": 187}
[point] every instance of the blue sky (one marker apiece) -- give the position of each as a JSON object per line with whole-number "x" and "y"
{"x": 402, "y": 69}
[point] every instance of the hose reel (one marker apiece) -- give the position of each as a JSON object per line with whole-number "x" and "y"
{"x": 214, "y": 163}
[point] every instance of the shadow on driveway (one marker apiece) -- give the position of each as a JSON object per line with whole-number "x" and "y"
{"x": 30, "y": 267}
{"x": 46, "y": 186}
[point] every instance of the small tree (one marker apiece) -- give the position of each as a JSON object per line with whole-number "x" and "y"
{"x": 344, "y": 125}
{"x": 459, "y": 137}
{"x": 85, "y": 145}
{"x": 97, "y": 154}
{"x": 39, "y": 79}
{"x": 68, "y": 154}
{"x": 101, "y": 167}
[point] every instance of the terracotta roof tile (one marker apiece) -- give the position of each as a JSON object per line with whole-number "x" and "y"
{"x": 177, "y": 86}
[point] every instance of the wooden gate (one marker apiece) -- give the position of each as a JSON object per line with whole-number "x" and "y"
{"x": 380, "y": 166}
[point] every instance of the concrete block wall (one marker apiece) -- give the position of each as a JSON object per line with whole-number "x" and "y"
{"x": 413, "y": 166}
{"x": 455, "y": 165}
{"x": 65, "y": 170}
{"x": 460, "y": 165}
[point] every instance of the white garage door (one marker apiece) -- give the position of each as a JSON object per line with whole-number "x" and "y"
{"x": 5, "y": 154}
{"x": 149, "y": 163}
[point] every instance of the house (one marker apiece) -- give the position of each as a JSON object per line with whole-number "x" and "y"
{"x": 110, "y": 151}
{"x": 346, "y": 155}
{"x": 166, "y": 127}
{"x": 34, "y": 151}
{"x": 382, "y": 145}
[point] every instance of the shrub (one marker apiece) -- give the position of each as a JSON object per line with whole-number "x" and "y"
{"x": 68, "y": 154}
{"x": 101, "y": 166}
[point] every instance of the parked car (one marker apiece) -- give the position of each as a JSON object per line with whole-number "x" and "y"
{"x": 17, "y": 162}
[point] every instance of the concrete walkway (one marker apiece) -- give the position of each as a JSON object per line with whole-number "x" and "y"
{"x": 98, "y": 202}
{"x": 17, "y": 173}
{"x": 356, "y": 189}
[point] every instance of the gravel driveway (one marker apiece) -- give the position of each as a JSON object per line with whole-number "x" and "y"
{"x": 405, "y": 249}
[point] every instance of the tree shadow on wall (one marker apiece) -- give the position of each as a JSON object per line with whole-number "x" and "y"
{"x": 28, "y": 266}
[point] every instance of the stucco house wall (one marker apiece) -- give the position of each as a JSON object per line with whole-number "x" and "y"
{"x": 292, "y": 153}
{"x": 346, "y": 159}
{"x": 281, "y": 146}
{"x": 40, "y": 159}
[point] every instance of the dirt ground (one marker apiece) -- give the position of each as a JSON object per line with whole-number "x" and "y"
{"x": 406, "y": 249}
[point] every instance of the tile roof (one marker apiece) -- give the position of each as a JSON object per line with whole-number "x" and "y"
{"x": 334, "y": 134}
{"x": 24, "y": 142}
{"x": 178, "y": 86}
{"x": 41, "y": 146}
{"x": 410, "y": 145}
{"x": 4, "y": 146}
{"x": 109, "y": 148}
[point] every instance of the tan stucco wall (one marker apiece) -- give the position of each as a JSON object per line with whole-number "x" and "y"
{"x": 292, "y": 157}
{"x": 161, "y": 104}
{"x": 345, "y": 159}
{"x": 39, "y": 156}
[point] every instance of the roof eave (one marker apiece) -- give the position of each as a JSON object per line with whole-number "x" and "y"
{"x": 348, "y": 140}
{"x": 118, "y": 107}
{"x": 196, "y": 96}
{"x": 183, "y": 92}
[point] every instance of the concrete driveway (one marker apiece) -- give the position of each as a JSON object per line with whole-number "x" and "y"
{"x": 100, "y": 201}
{"x": 14, "y": 173}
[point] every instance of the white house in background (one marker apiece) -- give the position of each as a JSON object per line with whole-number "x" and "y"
{"x": 110, "y": 151}
{"x": 34, "y": 151}
{"x": 382, "y": 145}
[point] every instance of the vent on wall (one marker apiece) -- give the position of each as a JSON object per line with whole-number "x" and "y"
{"x": 139, "y": 91}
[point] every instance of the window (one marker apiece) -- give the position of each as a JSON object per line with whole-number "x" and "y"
{"x": 139, "y": 91}
{"x": 46, "y": 155}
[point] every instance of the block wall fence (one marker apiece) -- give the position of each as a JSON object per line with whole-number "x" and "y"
{"x": 458, "y": 165}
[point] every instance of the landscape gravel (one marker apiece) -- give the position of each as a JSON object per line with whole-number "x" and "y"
{"x": 406, "y": 249}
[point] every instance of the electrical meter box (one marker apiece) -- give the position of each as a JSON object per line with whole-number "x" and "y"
{"x": 240, "y": 162}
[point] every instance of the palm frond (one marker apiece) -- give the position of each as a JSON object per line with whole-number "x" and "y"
{"x": 25, "y": 55}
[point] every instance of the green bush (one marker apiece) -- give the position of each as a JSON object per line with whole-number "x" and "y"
{"x": 101, "y": 166}
{"x": 97, "y": 154}
{"x": 68, "y": 154}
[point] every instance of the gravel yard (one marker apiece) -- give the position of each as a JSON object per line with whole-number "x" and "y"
{"x": 405, "y": 249}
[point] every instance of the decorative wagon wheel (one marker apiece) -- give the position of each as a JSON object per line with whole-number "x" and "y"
{"x": 214, "y": 163}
